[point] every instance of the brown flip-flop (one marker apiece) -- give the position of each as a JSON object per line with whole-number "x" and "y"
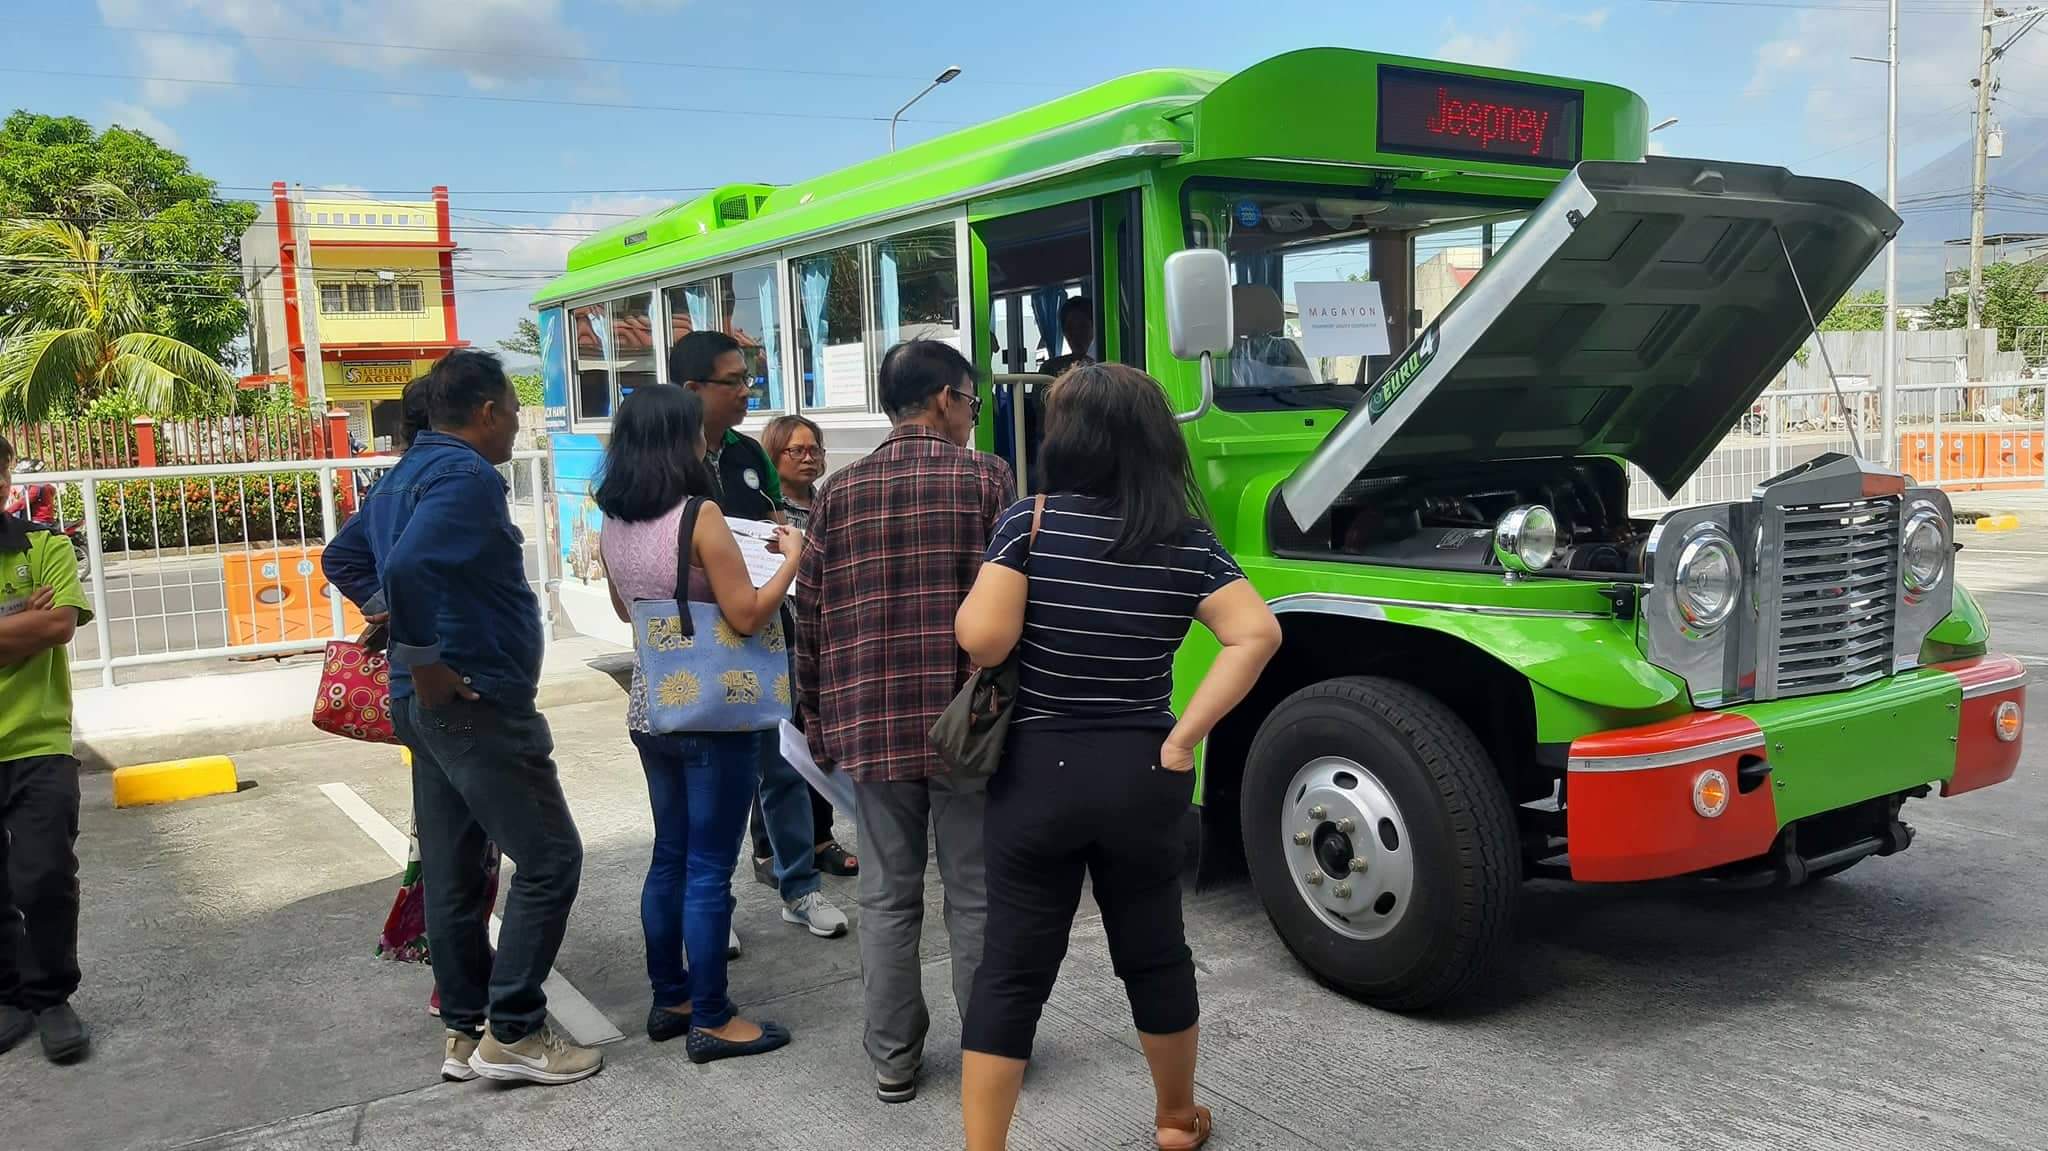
{"x": 1195, "y": 1121}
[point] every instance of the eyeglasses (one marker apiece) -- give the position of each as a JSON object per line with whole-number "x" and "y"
{"x": 805, "y": 453}
{"x": 973, "y": 402}
{"x": 743, "y": 382}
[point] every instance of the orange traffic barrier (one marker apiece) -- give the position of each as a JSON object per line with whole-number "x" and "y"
{"x": 280, "y": 595}
{"x": 1916, "y": 455}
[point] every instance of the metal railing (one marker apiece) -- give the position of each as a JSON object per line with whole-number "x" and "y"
{"x": 1963, "y": 437}
{"x": 213, "y": 561}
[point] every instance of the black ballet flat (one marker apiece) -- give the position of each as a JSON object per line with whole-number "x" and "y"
{"x": 708, "y": 1048}
{"x": 664, "y": 1025}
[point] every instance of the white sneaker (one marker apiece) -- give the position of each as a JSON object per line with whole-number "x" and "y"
{"x": 732, "y": 944}
{"x": 816, "y": 913}
{"x": 542, "y": 1057}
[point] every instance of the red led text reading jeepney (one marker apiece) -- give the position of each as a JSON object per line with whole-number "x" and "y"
{"x": 1489, "y": 123}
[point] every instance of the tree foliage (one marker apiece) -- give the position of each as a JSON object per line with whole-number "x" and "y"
{"x": 525, "y": 340}
{"x": 2012, "y": 300}
{"x": 1857, "y": 312}
{"x": 179, "y": 242}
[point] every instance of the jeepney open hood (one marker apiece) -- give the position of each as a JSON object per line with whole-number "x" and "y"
{"x": 1637, "y": 313}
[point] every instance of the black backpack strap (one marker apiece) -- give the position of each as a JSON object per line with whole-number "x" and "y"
{"x": 685, "y": 533}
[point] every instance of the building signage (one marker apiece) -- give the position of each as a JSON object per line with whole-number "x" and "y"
{"x": 1442, "y": 114}
{"x": 395, "y": 374}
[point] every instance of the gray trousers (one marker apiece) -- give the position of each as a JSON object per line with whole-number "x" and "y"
{"x": 896, "y": 822}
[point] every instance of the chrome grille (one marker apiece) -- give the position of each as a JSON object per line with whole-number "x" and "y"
{"x": 1837, "y": 595}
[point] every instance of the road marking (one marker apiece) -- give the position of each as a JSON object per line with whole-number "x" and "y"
{"x": 2005, "y": 591}
{"x": 583, "y": 1021}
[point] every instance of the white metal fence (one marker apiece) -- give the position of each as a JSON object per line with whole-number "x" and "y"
{"x": 223, "y": 560}
{"x": 1964, "y": 437}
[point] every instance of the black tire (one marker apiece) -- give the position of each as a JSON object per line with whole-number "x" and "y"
{"x": 1461, "y": 826}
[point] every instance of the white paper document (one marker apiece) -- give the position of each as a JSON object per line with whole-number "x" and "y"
{"x": 1341, "y": 318}
{"x": 757, "y": 546}
{"x": 833, "y": 785}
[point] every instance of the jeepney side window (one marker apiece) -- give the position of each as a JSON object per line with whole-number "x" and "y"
{"x": 831, "y": 345}
{"x": 742, "y": 305}
{"x": 914, "y": 292}
{"x": 592, "y": 363}
{"x": 632, "y": 331}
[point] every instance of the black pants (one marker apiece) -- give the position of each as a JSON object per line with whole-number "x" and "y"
{"x": 484, "y": 774}
{"x": 1064, "y": 803}
{"x": 38, "y": 881}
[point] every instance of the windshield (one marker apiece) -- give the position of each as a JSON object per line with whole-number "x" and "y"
{"x": 1331, "y": 283}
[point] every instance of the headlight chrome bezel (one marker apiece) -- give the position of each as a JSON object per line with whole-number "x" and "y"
{"x": 1703, "y": 541}
{"x": 1523, "y": 530}
{"x": 1919, "y": 515}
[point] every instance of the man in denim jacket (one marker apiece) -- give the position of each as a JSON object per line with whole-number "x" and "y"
{"x": 436, "y": 539}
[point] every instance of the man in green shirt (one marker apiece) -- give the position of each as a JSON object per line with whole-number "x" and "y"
{"x": 40, "y": 607}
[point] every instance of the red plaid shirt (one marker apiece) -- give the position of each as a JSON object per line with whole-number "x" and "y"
{"x": 895, "y": 542}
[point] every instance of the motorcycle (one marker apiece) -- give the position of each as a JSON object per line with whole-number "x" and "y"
{"x": 37, "y": 503}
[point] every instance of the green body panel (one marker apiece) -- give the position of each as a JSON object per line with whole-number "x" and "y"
{"x": 1831, "y": 751}
{"x": 1963, "y": 634}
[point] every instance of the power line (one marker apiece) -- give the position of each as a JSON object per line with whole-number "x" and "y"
{"x": 485, "y": 97}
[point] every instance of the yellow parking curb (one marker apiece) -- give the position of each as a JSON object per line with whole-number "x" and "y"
{"x": 1998, "y": 523}
{"x": 177, "y": 779}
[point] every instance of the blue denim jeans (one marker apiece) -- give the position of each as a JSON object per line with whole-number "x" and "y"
{"x": 786, "y": 810}
{"x": 700, "y": 787}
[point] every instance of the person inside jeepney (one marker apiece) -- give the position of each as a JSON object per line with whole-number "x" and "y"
{"x": 1264, "y": 356}
{"x": 1077, "y": 327}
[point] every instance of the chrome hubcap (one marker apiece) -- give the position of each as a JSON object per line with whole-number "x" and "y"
{"x": 1347, "y": 846}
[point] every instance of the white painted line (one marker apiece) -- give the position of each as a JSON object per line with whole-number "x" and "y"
{"x": 2005, "y": 591}
{"x": 583, "y": 1021}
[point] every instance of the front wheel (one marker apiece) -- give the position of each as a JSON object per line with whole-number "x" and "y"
{"x": 1381, "y": 842}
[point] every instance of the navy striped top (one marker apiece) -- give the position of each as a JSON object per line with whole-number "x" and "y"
{"x": 1100, "y": 634}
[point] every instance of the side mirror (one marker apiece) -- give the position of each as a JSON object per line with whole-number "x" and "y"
{"x": 1199, "y": 321}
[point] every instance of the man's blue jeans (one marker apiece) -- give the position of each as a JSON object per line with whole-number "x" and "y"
{"x": 786, "y": 810}
{"x": 700, "y": 788}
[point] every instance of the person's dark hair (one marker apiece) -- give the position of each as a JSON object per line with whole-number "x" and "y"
{"x": 6, "y": 453}
{"x": 415, "y": 412}
{"x": 655, "y": 458}
{"x": 915, "y": 371}
{"x": 1074, "y": 304}
{"x": 691, "y": 359}
{"x": 461, "y": 383}
{"x": 1109, "y": 433}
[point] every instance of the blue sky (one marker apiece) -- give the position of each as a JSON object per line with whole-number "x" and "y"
{"x": 597, "y": 109}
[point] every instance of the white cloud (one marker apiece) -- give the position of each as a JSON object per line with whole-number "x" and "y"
{"x": 172, "y": 56}
{"x": 1594, "y": 19}
{"x": 1498, "y": 51}
{"x": 544, "y": 247}
{"x": 141, "y": 119}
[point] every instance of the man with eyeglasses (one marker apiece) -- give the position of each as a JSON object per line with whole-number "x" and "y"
{"x": 712, "y": 365}
{"x": 895, "y": 541}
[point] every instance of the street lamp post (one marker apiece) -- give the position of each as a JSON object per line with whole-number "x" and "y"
{"x": 945, "y": 77}
{"x": 1666, "y": 122}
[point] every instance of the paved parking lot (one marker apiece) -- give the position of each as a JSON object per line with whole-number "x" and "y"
{"x": 228, "y": 942}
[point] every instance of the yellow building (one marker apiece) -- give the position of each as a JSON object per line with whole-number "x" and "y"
{"x": 381, "y": 301}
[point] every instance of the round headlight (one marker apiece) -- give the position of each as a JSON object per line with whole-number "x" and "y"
{"x": 1926, "y": 551}
{"x": 1709, "y": 576}
{"x": 1526, "y": 538}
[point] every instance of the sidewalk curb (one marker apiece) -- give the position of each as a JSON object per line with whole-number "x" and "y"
{"x": 102, "y": 755}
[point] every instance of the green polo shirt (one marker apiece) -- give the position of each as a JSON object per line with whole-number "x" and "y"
{"x": 35, "y": 696}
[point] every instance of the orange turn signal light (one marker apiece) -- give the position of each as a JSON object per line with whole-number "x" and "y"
{"x": 2007, "y": 721}
{"x": 1710, "y": 793}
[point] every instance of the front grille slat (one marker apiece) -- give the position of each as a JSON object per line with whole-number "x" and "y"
{"x": 1837, "y": 575}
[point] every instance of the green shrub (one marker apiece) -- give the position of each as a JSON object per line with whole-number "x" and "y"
{"x": 170, "y": 514}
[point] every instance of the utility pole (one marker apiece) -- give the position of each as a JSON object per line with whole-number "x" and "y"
{"x": 309, "y": 303}
{"x": 1977, "y": 172}
{"x": 1888, "y": 375}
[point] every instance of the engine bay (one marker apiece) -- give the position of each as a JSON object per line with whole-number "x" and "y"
{"x": 1447, "y": 517}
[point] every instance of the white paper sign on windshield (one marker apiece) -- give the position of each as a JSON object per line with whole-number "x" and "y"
{"x": 1341, "y": 318}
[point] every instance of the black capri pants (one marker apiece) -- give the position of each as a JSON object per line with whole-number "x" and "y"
{"x": 1067, "y": 803}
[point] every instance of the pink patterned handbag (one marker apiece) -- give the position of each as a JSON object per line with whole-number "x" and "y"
{"x": 355, "y": 690}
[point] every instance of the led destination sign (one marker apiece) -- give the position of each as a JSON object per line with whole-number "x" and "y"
{"x": 1439, "y": 114}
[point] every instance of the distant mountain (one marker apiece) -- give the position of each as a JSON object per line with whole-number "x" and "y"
{"x": 1935, "y": 203}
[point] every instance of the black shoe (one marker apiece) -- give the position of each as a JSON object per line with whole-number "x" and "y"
{"x": 65, "y": 1039}
{"x": 15, "y": 1026}
{"x": 764, "y": 872}
{"x": 664, "y": 1025}
{"x": 902, "y": 1092}
{"x": 836, "y": 860}
{"x": 708, "y": 1048}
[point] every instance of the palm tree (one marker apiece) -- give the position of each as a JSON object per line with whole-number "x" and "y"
{"x": 72, "y": 328}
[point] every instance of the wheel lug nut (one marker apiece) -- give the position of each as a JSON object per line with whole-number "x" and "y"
{"x": 1341, "y": 891}
{"x": 1318, "y": 812}
{"x": 1313, "y": 879}
{"x": 1301, "y": 837}
{"x": 1346, "y": 825}
{"x": 1357, "y": 864}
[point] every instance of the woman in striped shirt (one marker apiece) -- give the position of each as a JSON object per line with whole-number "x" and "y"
{"x": 1094, "y": 586}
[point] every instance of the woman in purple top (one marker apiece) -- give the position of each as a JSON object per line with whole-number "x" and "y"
{"x": 700, "y": 784}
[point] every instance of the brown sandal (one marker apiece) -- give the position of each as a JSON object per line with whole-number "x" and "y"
{"x": 1195, "y": 1121}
